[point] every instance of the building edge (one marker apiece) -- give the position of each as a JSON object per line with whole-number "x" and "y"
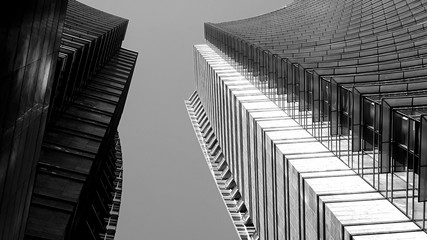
{"x": 220, "y": 171}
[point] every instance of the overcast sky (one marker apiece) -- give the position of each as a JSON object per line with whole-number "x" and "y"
{"x": 168, "y": 191}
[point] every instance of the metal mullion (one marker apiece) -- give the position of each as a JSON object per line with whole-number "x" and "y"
{"x": 390, "y": 154}
{"x": 263, "y": 71}
{"x": 351, "y": 123}
{"x": 407, "y": 168}
{"x": 301, "y": 105}
{"x": 362, "y": 138}
{"x": 321, "y": 110}
{"x": 379, "y": 185}
{"x": 306, "y": 100}
{"x": 413, "y": 175}
{"x": 266, "y": 57}
{"x": 350, "y": 129}
{"x": 294, "y": 79}
{"x": 256, "y": 66}
{"x": 373, "y": 133}
{"x": 313, "y": 112}
{"x": 329, "y": 124}
{"x": 312, "y": 103}
{"x": 379, "y": 147}
{"x": 283, "y": 77}
{"x": 338, "y": 122}
{"x": 246, "y": 67}
{"x": 373, "y": 145}
{"x": 276, "y": 78}
{"x": 319, "y": 100}
{"x": 270, "y": 75}
{"x": 289, "y": 89}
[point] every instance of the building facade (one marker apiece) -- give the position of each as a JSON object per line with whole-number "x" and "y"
{"x": 313, "y": 119}
{"x": 66, "y": 78}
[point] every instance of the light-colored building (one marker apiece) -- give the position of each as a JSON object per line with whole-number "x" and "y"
{"x": 311, "y": 119}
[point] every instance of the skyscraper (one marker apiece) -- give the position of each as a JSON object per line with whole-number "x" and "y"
{"x": 65, "y": 82}
{"x": 313, "y": 119}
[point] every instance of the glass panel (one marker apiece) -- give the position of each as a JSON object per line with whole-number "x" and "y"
{"x": 385, "y": 138}
{"x": 423, "y": 161}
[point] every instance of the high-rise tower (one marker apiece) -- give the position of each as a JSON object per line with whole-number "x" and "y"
{"x": 313, "y": 119}
{"x": 66, "y": 79}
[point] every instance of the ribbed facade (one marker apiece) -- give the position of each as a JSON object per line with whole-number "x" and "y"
{"x": 72, "y": 185}
{"x": 30, "y": 35}
{"x": 350, "y": 73}
{"x": 289, "y": 184}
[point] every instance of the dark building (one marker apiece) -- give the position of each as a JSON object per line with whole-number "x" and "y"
{"x": 353, "y": 75}
{"x": 65, "y": 78}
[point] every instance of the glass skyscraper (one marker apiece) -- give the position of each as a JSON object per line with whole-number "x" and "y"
{"x": 313, "y": 119}
{"x": 65, "y": 78}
